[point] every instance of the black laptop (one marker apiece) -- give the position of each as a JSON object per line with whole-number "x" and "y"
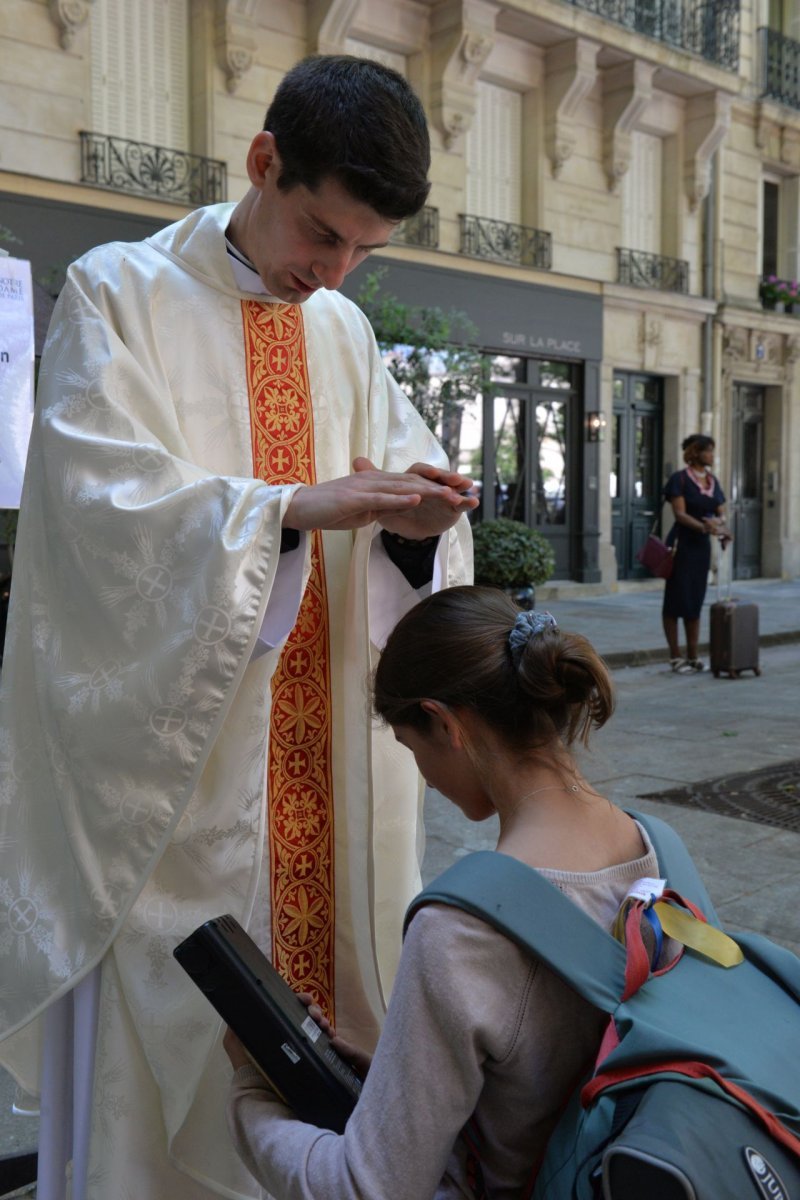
{"x": 284, "y": 1042}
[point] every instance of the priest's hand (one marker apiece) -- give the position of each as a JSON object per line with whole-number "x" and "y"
{"x": 417, "y": 503}
{"x": 440, "y": 505}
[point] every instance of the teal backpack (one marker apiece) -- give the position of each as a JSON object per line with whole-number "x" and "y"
{"x": 695, "y": 1094}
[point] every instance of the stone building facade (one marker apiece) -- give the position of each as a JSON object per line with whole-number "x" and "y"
{"x": 612, "y": 179}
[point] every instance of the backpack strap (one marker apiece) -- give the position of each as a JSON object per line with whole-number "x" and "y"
{"x": 676, "y": 865}
{"x": 526, "y": 907}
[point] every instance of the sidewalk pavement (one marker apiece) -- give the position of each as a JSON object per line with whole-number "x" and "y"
{"x": 670, "y": 730}
{"x": 625, "y": 626}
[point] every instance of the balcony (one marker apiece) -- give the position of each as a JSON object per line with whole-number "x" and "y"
{"x": 710, "y": 29}
{"x": 503, "y": 242}
{"x": 143, "y": 170}
{"x": 780, "y": 67}
{"x": 636, "y": 268}
{"x": 420, "y": 230}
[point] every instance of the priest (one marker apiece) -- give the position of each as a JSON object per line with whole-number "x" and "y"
{"x": 228, "y": 503}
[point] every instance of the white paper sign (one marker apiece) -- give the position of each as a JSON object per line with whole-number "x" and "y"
{"x": 16, "y": 375}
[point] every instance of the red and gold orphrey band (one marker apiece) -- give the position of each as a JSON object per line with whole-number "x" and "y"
{"x": 299, "y": 767}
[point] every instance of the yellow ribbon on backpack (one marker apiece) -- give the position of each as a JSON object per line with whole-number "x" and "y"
{"x": 705, "y": 939}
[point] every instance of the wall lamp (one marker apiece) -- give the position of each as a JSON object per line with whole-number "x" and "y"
{"x": 595, "y": 427}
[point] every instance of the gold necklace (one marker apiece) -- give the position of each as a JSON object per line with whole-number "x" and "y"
{"x": 550, "y": 787}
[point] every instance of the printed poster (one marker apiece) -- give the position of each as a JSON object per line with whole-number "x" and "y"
{"x": 16, "y": 375}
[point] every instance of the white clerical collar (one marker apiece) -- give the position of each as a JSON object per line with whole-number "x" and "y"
{"x": 246, "y": 276}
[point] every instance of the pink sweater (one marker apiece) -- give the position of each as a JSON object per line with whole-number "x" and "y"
{"x": 475, "y": 1026}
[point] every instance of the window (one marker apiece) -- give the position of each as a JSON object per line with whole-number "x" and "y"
{"x": 139, "y": 84}
{"x": 494, "y": 155}
{"x": 783, "y": 16}
{"x": 641, "y": 195}
{"x": 769, "y": 241}
{"x": 780, "y": 226}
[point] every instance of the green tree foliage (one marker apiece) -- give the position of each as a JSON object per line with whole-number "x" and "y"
{"x": 8, "y": 239}
{"x": 432, "y": 354}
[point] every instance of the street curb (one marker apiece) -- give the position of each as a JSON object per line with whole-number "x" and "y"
{"x": 640, "y": 658}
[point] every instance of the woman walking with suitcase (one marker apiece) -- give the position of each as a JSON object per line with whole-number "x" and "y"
{"x": 698, "y": 504}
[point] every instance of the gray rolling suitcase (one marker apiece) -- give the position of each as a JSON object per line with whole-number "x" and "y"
{"x": 734, "y": 629}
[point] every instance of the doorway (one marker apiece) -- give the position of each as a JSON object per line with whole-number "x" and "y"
{"x": 747, "y": 479}
{"x": 636, "y": 451}
{"x": 531, "y": 440}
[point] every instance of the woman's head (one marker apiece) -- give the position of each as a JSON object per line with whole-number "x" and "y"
{"x": 534, "y": 690}
{"x": 696, "y": 446}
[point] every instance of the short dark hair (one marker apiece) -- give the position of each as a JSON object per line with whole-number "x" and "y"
{"x": 696, "y": 443}
{"x": 358, "y": 122}
{"x": 454, "y": 647}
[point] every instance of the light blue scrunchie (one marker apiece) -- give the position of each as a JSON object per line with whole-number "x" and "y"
{"x": 526, "y": 626}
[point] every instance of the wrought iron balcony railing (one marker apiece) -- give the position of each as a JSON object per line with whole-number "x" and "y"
{"x": 503, "y": 242}
{"x": 709, "y": 28}
{"x": 780, "y": 67}
{"x": 420, "y": 230}
{"x": 636, "y": 268}
{"x": 124, "y": 166}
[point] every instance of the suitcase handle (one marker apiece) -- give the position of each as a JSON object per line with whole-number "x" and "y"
{"x": 722, "y": 555}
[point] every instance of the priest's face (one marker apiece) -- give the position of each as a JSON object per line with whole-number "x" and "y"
{"x": 299, "y": 240}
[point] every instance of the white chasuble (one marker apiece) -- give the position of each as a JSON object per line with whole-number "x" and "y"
{"x": 137, "y": 794}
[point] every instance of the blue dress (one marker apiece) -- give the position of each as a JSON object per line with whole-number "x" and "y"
{"x": 685, "y": 589}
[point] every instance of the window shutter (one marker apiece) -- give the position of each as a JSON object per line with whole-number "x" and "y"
{"x": 139, "y": 70}
{"x": 641, "y": 195}
{"x": 494, "y": 155}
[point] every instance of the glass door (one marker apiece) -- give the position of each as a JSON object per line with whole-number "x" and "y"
{"x": 747, "y": 478}
{"x": 530, "y": 450}
{"x": 635, "y": 481}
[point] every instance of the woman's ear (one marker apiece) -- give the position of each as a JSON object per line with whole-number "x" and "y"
{"x": 444, "y": 722}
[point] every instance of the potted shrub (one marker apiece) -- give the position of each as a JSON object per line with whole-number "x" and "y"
{"x": 512, "y": 556}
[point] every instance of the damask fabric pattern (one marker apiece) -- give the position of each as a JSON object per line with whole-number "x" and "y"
{"x": 133, "y": 724}
{"x": 299, "y": 767}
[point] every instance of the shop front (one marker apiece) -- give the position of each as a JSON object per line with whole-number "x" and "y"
{"x": 531, "y": 440}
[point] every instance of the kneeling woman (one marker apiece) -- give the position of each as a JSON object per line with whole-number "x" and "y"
{"x": 489, "y": 701}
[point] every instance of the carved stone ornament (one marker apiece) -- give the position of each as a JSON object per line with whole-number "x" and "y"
{"x": 571, "y": 72}
{"x": 763, "y": 128}
{"x": 458, "y": 54}
{"x": 454, "y": 126}
{"x": 790, "y": 147}
{"x": 735, "y": 343}
{"x": 627, "y": 91}
{"x": 561, "y": 149}
{"x": 791, "y": 351}
{"x": 708, "y": 118}
{"x": 772, "y": 343}
{"x": 238, "y": 61}
{"x": 651, "y": 334}
{"x": 235, "y": 48}
{"x": 68, "y": 16}
{"x": 618, "y": 161}
{"x": 475, "y": 48}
